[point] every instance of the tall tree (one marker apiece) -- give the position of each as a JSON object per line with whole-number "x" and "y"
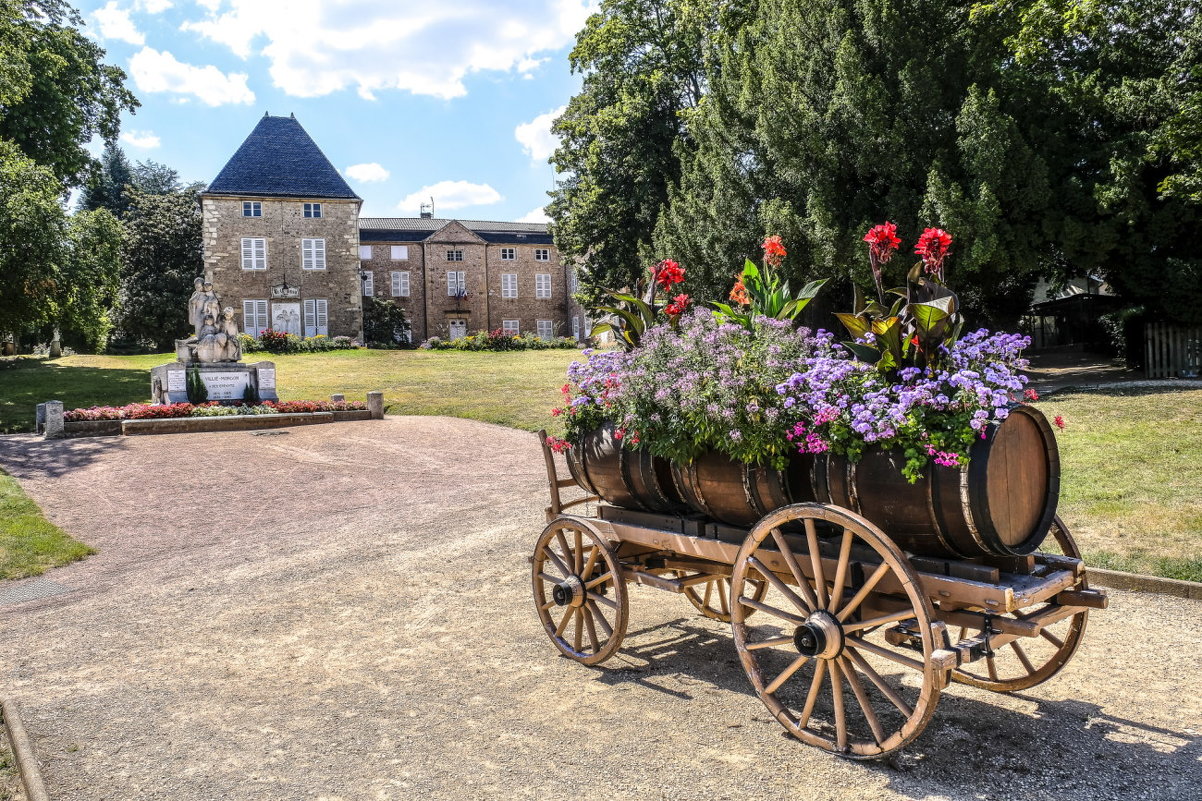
{"x": 162, "y": 255}
{"x": 61, "y": 95}
{"x": 107, "y": 187}
{"x": 642, "y": 62}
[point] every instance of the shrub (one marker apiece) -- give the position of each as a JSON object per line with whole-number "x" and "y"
{"x": 497, "y": 340}
{"x": 281, "y": 342}
{"x": 150, "y": 411}
{"x": 384, "y": 324}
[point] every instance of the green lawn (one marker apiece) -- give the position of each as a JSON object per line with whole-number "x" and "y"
{"x": 29, "y": 543}
{"x": 1132, "y": 461}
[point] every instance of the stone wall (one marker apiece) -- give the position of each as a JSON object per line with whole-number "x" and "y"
{"x": 381, "y": 265}
{"x": 283, "y": 225}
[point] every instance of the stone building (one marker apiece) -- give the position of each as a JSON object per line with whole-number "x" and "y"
{"x": 285, "y": 246}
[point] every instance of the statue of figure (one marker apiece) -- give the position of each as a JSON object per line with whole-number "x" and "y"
{"x": 212, "y": 303}
{"x": 208, "y": 349}
{"x": 196, "y": 305}
{"x": 227, "y": 337}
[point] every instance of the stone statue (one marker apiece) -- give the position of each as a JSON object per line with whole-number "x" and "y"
{"x": 211, "y": 304}
{"x": 196, "y": 305}
{"x": 208, "y": 349}
{"x": 227, "y": 337}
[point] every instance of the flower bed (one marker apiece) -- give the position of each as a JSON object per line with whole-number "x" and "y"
{"x": 498, "y": 340}
{"x": 148, "y": 411}
{"x": 279, "y": 342}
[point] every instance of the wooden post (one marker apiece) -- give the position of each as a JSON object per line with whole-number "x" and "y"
{"x": 375, "y": 405}
{"x": 53, "y": 427}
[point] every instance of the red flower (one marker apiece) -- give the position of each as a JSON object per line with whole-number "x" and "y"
{"x": 739, "y": 294}
{"x": 774, "y": 251}
{"x": 1030, "y": 395}
{"x": 1059, "y": 421}
{"x": 933, "y": 248}
{"x": 882, "y": 241}
{"x": 667, "y": 273}
{"x": 556, "y": 412}
{"x": 678, "y": 305}
{"x": 618, "y": 434}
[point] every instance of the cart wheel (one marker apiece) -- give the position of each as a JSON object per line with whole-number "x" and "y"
{"x": 823, "y": 632}
{"x": 579, "y": 591}
{"x": 712, "y": 598}
{"x": 1019, "y": 666}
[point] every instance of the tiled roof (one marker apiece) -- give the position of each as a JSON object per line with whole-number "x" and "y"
{"x": 280, "y": 159}
{"x": 416, "y": 229}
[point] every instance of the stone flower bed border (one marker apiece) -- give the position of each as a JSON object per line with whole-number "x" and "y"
{"x": 51, "y": 425}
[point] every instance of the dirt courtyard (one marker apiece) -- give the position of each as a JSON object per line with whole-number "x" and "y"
{"x": 344, "y": 612}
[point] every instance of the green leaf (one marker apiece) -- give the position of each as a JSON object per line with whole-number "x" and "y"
{"x": 864, "y": 353}
{"x": 856, "y": 326}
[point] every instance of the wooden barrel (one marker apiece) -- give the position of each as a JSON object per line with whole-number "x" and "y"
{"x": 624, "y": 477}
{"x": 1000, "y": 504}
{"x": 716, "y": 486}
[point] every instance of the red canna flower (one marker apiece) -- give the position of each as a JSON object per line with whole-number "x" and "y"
{"x": 882, "y": 241}
{"x": 1059, "y": 421}
{"x": 678, "y": 305}
{"x": 933, "y": 248}
{"x": 739, "y": 293}
{"x": 1030, "y": 395}
{"x": 667, "y": 273}
{"x": 774, "y": 251}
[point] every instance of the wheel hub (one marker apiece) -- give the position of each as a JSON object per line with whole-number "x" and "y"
{"x": 821, "y": 636}
{"x": 569, "y": 592}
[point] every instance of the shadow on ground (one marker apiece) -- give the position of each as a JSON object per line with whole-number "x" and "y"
{"x": 27, "y": 456}
{"x": 985, "y": 745}
{"x": 25, "y": 383}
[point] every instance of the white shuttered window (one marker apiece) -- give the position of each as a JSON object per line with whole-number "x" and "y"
{"x": 254, "y": 317}
{"x": 509, "y": 327}
{"x": 313, "y": 254}
{"x": 365, "y": 252}
{"x": 317, "y": 318}
{"x": 456, "y": 285}
{"x": 254, "y": 253}
{"x": 369, "y": 284}
{"x": 545, "y": 329}
{"x": 509, "y": 285}
{"x": 400, "y": 283}
{"x": 542, "y": 285}
{"x": 400, "y": 252}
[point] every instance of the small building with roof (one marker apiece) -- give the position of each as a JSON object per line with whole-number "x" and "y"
{"x": 284, "y": 245}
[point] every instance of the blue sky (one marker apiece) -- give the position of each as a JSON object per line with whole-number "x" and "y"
{"x": 450, "y": 98}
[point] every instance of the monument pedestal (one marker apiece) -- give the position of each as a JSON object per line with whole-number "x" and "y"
{"x": 223, "y": 380}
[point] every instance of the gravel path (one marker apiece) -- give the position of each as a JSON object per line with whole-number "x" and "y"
{"x": 343, "y": 612}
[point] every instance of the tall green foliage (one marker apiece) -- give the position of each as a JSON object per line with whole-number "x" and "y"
{"x": 642, "y": 62}
{"x": 162, "y": 256}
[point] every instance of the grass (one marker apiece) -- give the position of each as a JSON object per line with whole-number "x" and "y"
{"x": 1132, "y": 471}
{"x": 1132, "y": 460}
{"x": 29, "y": 543}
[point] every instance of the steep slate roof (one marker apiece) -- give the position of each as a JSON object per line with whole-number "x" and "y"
{"x": 280, "y": 159}
{"x": 417, "y": 229}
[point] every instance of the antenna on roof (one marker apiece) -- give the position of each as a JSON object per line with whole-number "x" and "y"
{"x": 427, "y": 210}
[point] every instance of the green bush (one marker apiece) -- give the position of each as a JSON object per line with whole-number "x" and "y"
{"x": 384, "y": 324}
{"x": 497, "y": 340}
{"x": 280, "y": 342}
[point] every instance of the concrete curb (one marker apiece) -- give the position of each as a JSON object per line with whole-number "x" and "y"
{"x": 1139, "y": 583}
{"x": 23, "y": 754}
{"x": 1155, "y": 383}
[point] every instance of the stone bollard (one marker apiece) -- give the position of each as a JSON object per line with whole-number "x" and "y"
{"x": 375, "y": 405}
{"x": 54, "y": 428}
{"x": 338, "y": 397}
{"x": 39, "y": 419}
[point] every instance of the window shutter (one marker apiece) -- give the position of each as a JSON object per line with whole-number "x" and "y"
{"x": 259, "y": 258}
{"x": 369, "y": 284}
{"x": 400, "y": 252}
{"x": 322, "y": 316}
{"x": 306, "y": 254}
{"x": 365, "y": 252}
{"x": 319, "y": 254}
{"x": 248, "y": 254}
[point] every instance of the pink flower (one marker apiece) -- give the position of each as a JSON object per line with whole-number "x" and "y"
{"x": 1030, "y": 395}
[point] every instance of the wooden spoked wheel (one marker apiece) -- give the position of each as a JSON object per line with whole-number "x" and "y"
{"x": 579, "y": 591}
{"x": 819, "y": 658}
{"x": 712, "y": 598}
{"x": 1030, "y": 660}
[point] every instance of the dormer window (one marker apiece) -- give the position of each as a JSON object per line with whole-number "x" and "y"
{"x": 252, "y": 208}
{"x": 312, "y": 209}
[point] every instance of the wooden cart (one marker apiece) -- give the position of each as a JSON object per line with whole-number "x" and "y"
{"x": 846, "y": 639}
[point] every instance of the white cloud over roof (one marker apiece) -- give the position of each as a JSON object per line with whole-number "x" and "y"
{"x": 538, "y": 215}
{"x": 367, "y": 173}
{"x": 451, "y": 195}
{"x": 155, "y": 71}
{"x": 420, "y": 46}
{"x": 535, "y": 136}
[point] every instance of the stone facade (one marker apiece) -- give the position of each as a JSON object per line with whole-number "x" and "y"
{"x": 284, "y": 284}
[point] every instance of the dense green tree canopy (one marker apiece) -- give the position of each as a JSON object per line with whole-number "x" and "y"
{"x": 1053, "y": 138}
{"x": 161, "y": 257}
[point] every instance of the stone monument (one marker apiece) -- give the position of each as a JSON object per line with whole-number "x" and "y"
{"x": 211, "y": 357}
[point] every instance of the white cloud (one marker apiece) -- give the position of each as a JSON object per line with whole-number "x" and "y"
{"x": 152, "y": 6}
{"x": 162, "y": 72}
{"x": 451, "y": 195}
{"x": 538, "y": 215}
{"x": 145, "y": 140}
{"x": 114, "y": 23}
{"x": 367, "y": 173}
{"x": 536, "y": 137}
{"x": 427, "y": 48}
